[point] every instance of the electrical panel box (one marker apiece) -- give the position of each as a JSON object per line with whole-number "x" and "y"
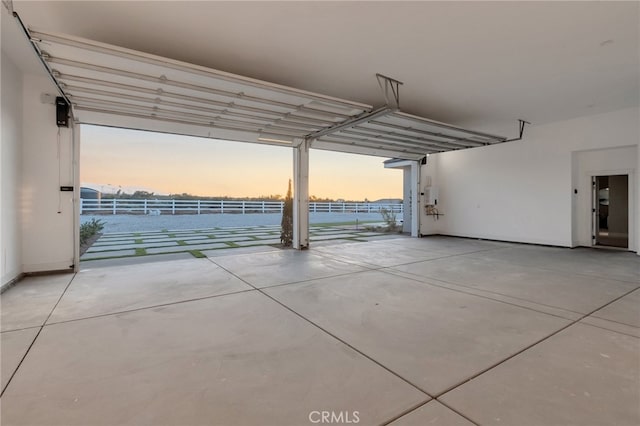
{"x": 430, "y": 196}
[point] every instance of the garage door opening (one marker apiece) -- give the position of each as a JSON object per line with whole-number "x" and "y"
{"x": 153, "y": 193}
{"x": 355, "y": 194}
{"x": 146, "y": 194}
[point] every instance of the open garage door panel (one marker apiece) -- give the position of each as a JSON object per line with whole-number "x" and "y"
{"x": 110, "y": 85}
{"x": 114, "y": 86}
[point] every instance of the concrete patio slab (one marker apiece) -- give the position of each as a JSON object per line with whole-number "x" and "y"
{"x": 208, "y": 246}
{"x": 625, "y": 310}
{"x": 222, "y": 239}
{"x": 232, "y": 360}
{"x": 14, "y": 345}
{"x": 283, "y": 267}
{"x": 333, "y": 236}
{"x": 432, "y": 414}
{"x": 434, "y": 337}
{"x": 96, "y": 249}
{"x": 239, "y": 250}
{"x": 562, "y": 313}
{"x": 561, "y": 290}
{"x": 622, "y": 316}
{"x": 106, "y": 254}
{"x": 29, "y": 303}
{"x": 113, "y": 241}
{"x": 122, "y": 261}
{"x": 186, "y": 238}
{"x": 377, "y": 254}
{"x": 104, "y": 291}
{"x": 451, "y": 245}
{"x": 582, "y": 376}
{"x": 254, "y": 242}
{"x": 162, "y": 242}
{"x": 612, "y": 326}
{"x": 605, "y": 264}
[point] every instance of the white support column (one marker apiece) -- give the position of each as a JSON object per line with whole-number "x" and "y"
{"x": 75, "y": 128}
{"x": 415, "y": 198}
{"x": 301, "y": 196}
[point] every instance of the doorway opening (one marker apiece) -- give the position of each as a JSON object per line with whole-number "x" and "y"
{"x": 611, "y": 210}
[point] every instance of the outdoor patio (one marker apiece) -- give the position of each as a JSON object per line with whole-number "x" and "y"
{"x": 437, "y": 330}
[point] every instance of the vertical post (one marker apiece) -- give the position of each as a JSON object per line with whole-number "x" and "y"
{"x": 81, "y": 205}
{"x": 415, "y": 198}
{"x": 198, "y": 206}
{"x": 114, "y": 206}
{"x": 173, "y": 206}
{"x": 263, "y": 207}
{"x": 243, "y": 207}
{"x": 301, "y": 195}
{"x": 221, "y": 206}
{"x": 145, "y": 206}
{"x": 75, "y": 129}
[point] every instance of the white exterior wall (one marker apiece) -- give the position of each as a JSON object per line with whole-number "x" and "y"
{"x": 11, "y": 172}
{"x": 523, "y": 191}
{"x": 47, "y": 213}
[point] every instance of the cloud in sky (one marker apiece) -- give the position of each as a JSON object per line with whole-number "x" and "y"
{"x": 176, "y": 164}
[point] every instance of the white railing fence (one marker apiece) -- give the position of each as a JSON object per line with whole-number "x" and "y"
{"x": 155, "y": 207}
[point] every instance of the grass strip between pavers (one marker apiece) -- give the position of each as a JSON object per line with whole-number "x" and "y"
{"x": 141, "y": 252}
{"x": 197, "y": 254}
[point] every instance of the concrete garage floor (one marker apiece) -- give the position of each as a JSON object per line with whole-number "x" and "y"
{"x": 437, "y": 330}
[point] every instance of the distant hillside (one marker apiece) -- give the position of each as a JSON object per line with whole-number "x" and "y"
{"x": 388, "y": 201}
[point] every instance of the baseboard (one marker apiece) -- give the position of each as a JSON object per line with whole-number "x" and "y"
{"x": 6, "y": 286}
{"x": 48, "y": 268}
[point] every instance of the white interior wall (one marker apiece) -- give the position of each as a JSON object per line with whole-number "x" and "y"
{"x": 47, "y": 213}
{"x": 11, "y": 173}
{"x": 522, "y": 191}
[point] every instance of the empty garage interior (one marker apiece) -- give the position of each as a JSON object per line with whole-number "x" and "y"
{"x": 512, "y": 298}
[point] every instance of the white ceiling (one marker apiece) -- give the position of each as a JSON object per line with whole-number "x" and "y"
{"x": 467, "y": 63}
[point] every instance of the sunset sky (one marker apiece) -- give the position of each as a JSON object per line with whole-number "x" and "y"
{"x": 162, "y": 163}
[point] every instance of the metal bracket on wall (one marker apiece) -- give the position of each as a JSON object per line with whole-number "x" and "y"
{"x": 8, "y": 4}
{"x": 521, "y": 125}
{"x": 388, "y": 84}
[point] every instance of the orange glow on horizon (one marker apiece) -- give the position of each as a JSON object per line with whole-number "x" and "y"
{"x": 172, "y": 164}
